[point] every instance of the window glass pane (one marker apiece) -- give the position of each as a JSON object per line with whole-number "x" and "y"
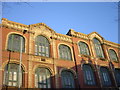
{"x": 10, "y": 41}
{"x": 23, "y": 44}
{"x": 43, "y": 54}
{"x": 44, "y": 77}
{"x": 15, "y": 76}
{"x": 43, "y": 49}
{"x": 40, "y": 50}
{"x": 9, "y": 83}
{"x": 117, "y": 76}
{"x": 10, "y": 75}
{"x": 17, "y": 43}
{"x": 68, "y": 55}
{"x": 14, "y": 84}
{"x": 83, "y": 48}
{"x": 69, "y": 82}
{"x": 47, "y": 51}
{"x": 40, "y": 86}
{"x": 98, "y": 48}
{"x": 48, "y": 81}
{"x": 67, "y": 79}
{"x": 88, "y": 75}
{"x": 113, "y": 55}
{"x": 65, "y": 52}
{"x": 14, "y": 42}
{"x": 40, "y": 78}
{"x": 48, "y": 84}
{"x": 63, "y": 55}
{"x": 105, "y": 76}
{"x": 43, "y": 45}
{"x": 5, "y": 77}
{"x": 44, "y": 86}
{"x": 47, "y": 55}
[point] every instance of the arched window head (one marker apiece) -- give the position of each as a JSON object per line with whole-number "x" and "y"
{"x": 83, "y": 48}
{"x": 11, "y": 75}
{"x": 42, "y": 46}
{"x": 98, "y": 48}
{"x": 117, "y": 76}
{"x": 113, "y": 55}
{"x": 42, "y": 78}
{"x": 105, "y": 76}
{"x": 16, "y": 42}
{"x": 65, "y": 52}
{"x": 67, "y": 79}
{"x": 88, "y": 75}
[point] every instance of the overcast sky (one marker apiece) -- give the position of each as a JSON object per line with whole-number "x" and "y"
{"x": 84, "y": 17}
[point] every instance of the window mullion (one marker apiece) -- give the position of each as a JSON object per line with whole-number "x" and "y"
{"x": 12, "y": 45}
{"x": 45, "y": 49}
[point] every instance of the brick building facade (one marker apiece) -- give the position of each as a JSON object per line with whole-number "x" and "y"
{"x": 53, "y": 60}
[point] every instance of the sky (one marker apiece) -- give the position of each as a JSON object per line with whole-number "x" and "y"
{"x": 84, "y": 17}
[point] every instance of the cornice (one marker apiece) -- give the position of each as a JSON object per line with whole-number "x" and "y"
{"x": 43, "y": 24}
{"x": 62, "y": 37}
{"x": 96, "y": 34}
{"x": 112, "y": 44}
{"x": 15, "y": 25}
{"x": 20, "y": 27}
{"x": 87, "y": 37}
{"x": 78, "y": 34}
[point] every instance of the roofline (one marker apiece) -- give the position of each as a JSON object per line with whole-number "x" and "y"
{"x": 8, "y": 23}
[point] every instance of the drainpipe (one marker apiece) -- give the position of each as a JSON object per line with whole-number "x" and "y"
{"x": 20, "y": 72}
{"x": 113, "y": 74}
{"x": 19, "y": 78}
{"x": 98, "y": 71}
{"x": 76, "y": 67}
{"x": 7, "y": 74}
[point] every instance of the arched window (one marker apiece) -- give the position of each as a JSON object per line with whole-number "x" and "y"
{"x": 65, "y": 52}
{"x": 42, "y": 46}
{"x": 11, "y": 75}
{"x": 83, "y": 48}
{"x": 98, "y": 48}
{"x": 105, "y": 76}
{"x": 113, "y": 55}
{"x": 67, "y": 79}
{"x": 14, "y": 42}
{"x": 88, "y": 75}
{"x": 42, "y": 78}
{"x": 117, "y": 76}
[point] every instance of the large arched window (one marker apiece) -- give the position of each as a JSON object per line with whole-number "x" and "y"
{"x": 42, "y": 46}
{"x": 105, "y": 76}
{"x": 98, "y": 48}
{"x": 15, "y": 42}
{"x": 117, "y": 76}
{"x": 42, "y": 78}
{"x": 67, "y": 79}
{"x": 84, "y": 48}
{"x": 11, "y": 75}
{"x": 88, "y": 75}
{"x": 65, "y": 52}
{"x": 113, "y": 55}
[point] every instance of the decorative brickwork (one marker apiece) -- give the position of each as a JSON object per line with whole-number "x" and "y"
{"x": 53, "y": 63}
